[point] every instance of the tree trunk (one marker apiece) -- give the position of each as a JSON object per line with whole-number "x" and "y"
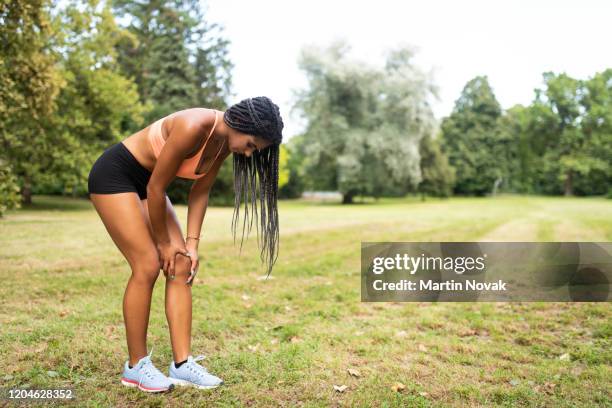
{"x": 569, "y": 188}
{"x": 496, "y": 186}
{"x": 26, "y": 191}
{"x": 347, "y": 198}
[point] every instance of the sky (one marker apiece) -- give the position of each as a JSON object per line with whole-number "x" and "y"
{"x": 512, "y": 42}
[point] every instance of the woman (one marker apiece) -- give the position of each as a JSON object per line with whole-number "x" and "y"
{"x": 127, "y": 187}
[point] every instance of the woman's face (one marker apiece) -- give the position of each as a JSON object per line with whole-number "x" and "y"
{"x": 243, "y": 143}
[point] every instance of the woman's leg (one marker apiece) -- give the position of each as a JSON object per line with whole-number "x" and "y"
{"x": 127, "y": 223}
{"x": 178, "y": 293}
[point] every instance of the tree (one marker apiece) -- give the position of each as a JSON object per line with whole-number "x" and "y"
{"x": 96, "y": 105}
{"x": 470, "y": 137}
{"x": 596, "y": 126}
{"x": 178, "y": 61}
{"x": 296, "y": 179}
{"x": 578, "y": 140}
{"x": 283, "y": 169}
{"x": 438, "y": 175}
{"x": 513, "y": 150}
{"x": 9, "y": 188}
{"x": 364, "y": 124}
{"x": 29, "y": 84}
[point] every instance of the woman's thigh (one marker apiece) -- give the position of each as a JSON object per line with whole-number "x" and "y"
{"x": 126, "y": 221}
{"x": 174, "y": 226}
{"x": 175, "y": 232}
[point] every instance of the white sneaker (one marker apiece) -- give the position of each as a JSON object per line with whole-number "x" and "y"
{"x": 192, "y": 374}
{"x": 145, "y": 376}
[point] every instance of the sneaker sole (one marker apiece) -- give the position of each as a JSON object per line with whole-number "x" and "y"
{"x": 185, "y": 383}
{"x": 132, "y": 383}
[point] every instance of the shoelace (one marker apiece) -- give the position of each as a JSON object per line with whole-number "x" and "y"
{"x": 197, "y": 368}
{"x": 148, "y": 369}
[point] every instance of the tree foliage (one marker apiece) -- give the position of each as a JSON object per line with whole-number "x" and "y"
{"x": 578, "y": 138}
{"x": 471, "y": 140}
{"x": 97, "y": 105}
{"x": 364, "y": 123}
{"x": 176, "y": 58}
{"x": 179, "y": 61}
{"x": 438, "y": 175}
{"x": 29, "y": 84}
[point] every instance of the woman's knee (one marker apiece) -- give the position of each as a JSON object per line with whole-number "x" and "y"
{"x": 146, "y": 270}
{"x": 182, "y": 267}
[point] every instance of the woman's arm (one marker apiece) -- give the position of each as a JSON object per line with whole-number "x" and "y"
{"x": 196, "y": 210}
{"x": 198, "y": 203}
{"x": 182, "y": 138}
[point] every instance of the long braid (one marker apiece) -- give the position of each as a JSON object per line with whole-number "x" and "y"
{"x": 260, "y": 117}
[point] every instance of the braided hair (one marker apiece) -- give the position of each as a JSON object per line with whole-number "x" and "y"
{"x": 261, "y": 117}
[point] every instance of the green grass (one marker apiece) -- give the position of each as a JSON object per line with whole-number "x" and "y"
{"x": 295, "y": 336}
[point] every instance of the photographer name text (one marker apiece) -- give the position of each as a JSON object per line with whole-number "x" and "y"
{"x": 407, "y": 285}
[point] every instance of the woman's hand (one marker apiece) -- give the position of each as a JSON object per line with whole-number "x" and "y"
{"x": 195, "y": 262}
{"x": 167, "y": 255}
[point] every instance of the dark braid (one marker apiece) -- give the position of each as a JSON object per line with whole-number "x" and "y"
{"x": 258, "y": 117}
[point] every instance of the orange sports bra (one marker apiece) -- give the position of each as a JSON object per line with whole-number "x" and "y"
{"x": 188, "y": 166}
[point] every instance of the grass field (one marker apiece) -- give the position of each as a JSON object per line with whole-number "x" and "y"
{"x": 287, "y": 341}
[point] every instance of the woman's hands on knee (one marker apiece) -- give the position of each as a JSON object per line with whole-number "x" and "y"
{"x": 167, "y": 255}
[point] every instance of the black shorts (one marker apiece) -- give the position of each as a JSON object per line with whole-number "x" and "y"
{"x": 118, "y": 171}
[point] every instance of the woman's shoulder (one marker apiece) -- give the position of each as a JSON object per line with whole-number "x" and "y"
{"x": 196, "y": 119}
